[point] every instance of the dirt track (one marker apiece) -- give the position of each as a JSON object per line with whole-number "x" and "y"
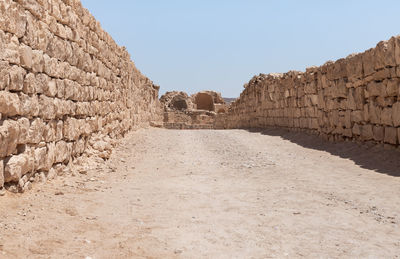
{"x": 214, "y": 194}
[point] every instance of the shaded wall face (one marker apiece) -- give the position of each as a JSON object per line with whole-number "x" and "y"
{"x": 353, "y": 98}
{"x": 63, "y": 80}
{"x": 204, "y": 102}
{"x": 179, "y": 103}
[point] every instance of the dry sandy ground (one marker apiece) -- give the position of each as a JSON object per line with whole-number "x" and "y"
{"x": 214, "y": 194}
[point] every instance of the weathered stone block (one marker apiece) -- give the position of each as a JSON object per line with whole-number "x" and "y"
{"x": 378, "y": 132}
{"x": 40, "y": 158}
{"x": 9, "y": 103}
{"x": 392, "y": 87}
{"x": 24, "y": 126}
{"x": 29, "y": 105}
{"x": 25, "y": 55}
{"x": 376, "y": 89}
{"x": 16, "y": 166}
{"x": 396, "y": 114}
{"x": 1, "y": 173}
{"x": 17, "y": 75}
{"x": 9, "y": 134}
{"x": 4, "y": 74}
{"x": 366, "y": 132}
{"x": 390, "y": 135}
{"x": 36, "y": 130}
{"x": 37, "y": 61}
{"x": 386, "y": 116}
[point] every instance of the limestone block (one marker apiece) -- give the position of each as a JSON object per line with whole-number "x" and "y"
{"x": 29, "y": 105}
{"x": 71, "y": 129}
{"x": 382, "y": 74}
{"x": 1, "y": 173}
{"x": 356, "y": 129}
{"x": 359, "y": 97}
{"x": 50, "y": 66}
{"x": 37, "y": 61}
{"x": 29, "y": 84}
{"x": 396, "y": 114}
{"x": 10, "y": 52}
{"x": 9, "y": 134}
{"x": 340, "y": 90}
{"x": 49, "y": 132}
{"x": 50, "y": 156}
{"x": 376, "y": 89}
{"x": 357, "y": 116}
{"x": 42, "y": 82}
{"x": 378, "y": 132}
{"x": 386, "y": 116}
{"x": 59, "y": 130}
{"x": 4, "y": 74}
{"x": 60, "y": 88}
{"x": 17, "y": 75}
{"x": 51, "y": 89}
{"x": 391, "y": 135}
{"x": 61, "y": 152}
{"x": 392, "y": 87}
{"x": 368, "y": 62}
{"x": 384, "y": 54}
{"x": 16, "y": 166}
{"x": 40, "y": 158}
{"x": 36, "y": 130}
{"x": 25, "y": 55}
{"x": 366, "y": 132}
{"x": 354, "y": 67}
{"x": 47, "y": 108}
{"x": 24, "y": 126}
{"x": 375, "y": 113}
{"x": 9, "y": 103}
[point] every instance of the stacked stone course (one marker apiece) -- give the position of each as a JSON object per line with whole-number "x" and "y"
{"x": 353, "y": 98}
{"x": 65, "y": 87}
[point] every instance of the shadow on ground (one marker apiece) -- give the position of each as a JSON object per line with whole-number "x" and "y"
{"x": 373, "y": 157}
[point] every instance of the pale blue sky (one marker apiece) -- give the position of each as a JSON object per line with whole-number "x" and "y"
{"x": 193, "y": 45}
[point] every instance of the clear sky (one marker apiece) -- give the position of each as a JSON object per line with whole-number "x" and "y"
{"x": 193, "y": 45}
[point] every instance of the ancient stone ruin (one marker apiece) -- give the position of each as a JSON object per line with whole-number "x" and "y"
{"x": 192, "y": 112}
{"x": 68, "y": 91}
{"x": 355, "y": 98}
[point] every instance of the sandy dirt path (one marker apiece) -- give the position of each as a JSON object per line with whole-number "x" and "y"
{"x": 214, "y": 194}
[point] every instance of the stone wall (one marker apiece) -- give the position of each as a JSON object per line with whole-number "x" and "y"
{"x": 65, "y": 86}
{"x": 352, "y": 98}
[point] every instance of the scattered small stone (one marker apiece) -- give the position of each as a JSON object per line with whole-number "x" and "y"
{"x": 296, "y": 213}
{"x": 59, "y": 193}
